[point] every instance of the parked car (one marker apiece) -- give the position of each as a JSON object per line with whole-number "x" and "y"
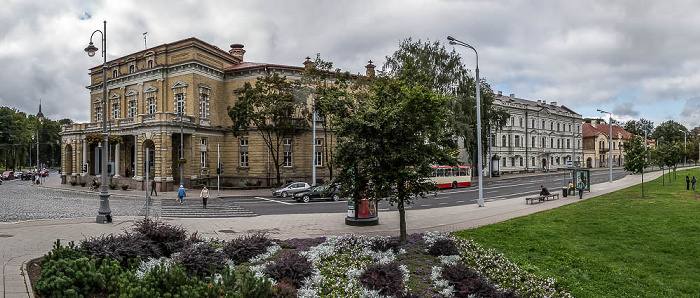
{"x": 8, "y": 175}
{"x": 18, "y": 174}
{"x": 291, "y": 189}
{"x": 26, "y": 175}
{"x": 326, "y": 192}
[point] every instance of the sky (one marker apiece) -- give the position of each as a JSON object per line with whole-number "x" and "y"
{"x": 636, "y": 58}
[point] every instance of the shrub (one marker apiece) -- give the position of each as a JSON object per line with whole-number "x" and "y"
{"x": 169, "y": 238}
{"x": 125, "y": 186}
{"x": 291, "y": 268}
{"x": 201, "y": 258}
{"x": 443, "y": 247}
{"x": 63, "y": 252}
{"x": 241, "y": 249}
{"x": 74, "y": 183}
{"x": 384, "y": 244}
{"x": 468, "y": 283}
{"x": 112, "y": 186}
{"x": 284, "y": 290}
{"x": 385, "y": 278}
{"x": 83, "y": 184}
{"x": 121, "y": 247}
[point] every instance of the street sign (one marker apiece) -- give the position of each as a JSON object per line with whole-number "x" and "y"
{"x": 569, "y": 164}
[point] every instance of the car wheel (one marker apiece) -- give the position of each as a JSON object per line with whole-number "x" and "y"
{"x": 335, "y": 197}
{"x": 284, "y": 194}
{"x": 454, "y": 184}
{"x": 305, "y": 199}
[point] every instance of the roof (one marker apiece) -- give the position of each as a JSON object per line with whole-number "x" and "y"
{"x": 590, "y": 131}
{"x": 248, "y": 65}
{"x": 531, "y": 103}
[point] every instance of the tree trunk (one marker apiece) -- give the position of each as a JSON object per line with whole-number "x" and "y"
{"x": 402, "y": 221}
{"x": 663, "y": 177}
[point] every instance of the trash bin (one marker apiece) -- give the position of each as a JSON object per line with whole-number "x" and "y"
{"x": 565, "y": 191}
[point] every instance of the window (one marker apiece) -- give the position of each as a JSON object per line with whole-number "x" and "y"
{"x": 503, "y": 141}
{"x": 551, "y": 125}
{"x": 287, "y": 155}
{"x": 558, "y": 144}
{"x": 180, "y": 103}
{"x": 521, "y": 161}
{"x": 542, "y": 124}
{"x": 533, "y": 162}
{"x": 551, "y": 143}
{"x": 504, "y": 162}
{"x": 132, "y": 108}
{"x": 533, "y": 123}
{"x": 512, "y": 161}
{"x": 318, "y": 154}
{"x": 151, "y": 105}
{"x": 203, "y": 159}
{"x": 558, "y": 126}
{"x": 150, "y": 63}
{"x": 613, "y": 145}
{"x": 544, "y": 142}
{"x": 243, "y": 153}
{"x": 98, "y": 114}
{"x": 115, "y": 111}
{"x": 521, "y": 121}
{"x": 204, "y": 101}
{"x": 132, "y": 68}
{"x": 533, "y": 142}
{"x": 568, "y": 144}
{"x": 517, "y": 141}
{"x": 115, "y": 73}
{"x": 569, "y": 127}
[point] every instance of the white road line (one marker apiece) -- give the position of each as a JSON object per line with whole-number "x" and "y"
{"x": 460, "y": 201}
{"x": 425, "y": 205}
{"x": 384, "y": 209}
{"x": 271, "y": 200}
{"x": 442, "y": 203}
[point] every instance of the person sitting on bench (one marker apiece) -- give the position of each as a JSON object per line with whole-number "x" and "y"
{"x": 544, "y": 191}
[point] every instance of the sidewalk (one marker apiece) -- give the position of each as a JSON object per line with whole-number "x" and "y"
{"x": 24, "y": 241}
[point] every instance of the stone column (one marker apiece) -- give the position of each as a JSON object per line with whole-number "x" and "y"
{"x": 117, "y": 159}
{"x": 138, "y": 159}
{"x": 85, "y": 156}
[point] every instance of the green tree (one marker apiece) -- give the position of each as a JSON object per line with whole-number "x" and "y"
{"x": 391, "y": 140}
{"x": 431, "y": 65}
{"x": 272, "y": 109}
{"x": 670, "y": 131}
{"x": 636, "y": 159}
{"x": 329, "y": 89}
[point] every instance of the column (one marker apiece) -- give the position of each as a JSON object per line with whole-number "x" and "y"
{"x": 85, "y": 156}
{"x": 117, "y": 159}
{"x": 139, "y": 159}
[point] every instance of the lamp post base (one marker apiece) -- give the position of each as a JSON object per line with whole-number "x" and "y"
{"x": 104, "y": 218}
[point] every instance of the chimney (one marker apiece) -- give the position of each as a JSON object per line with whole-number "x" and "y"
{"x": 370, "y": 69}
{"x": 539, "y": 101}
{"x": 237, "y": 51}
{"x": 512, "y": 96}
{"x": 500, "y": 93}
{"x": 308, "y": 64}
{"x": 554, "y": 103}
{"x": 594, "y": 123}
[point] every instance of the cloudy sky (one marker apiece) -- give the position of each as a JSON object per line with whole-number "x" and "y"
{"x": 636, "y": 58}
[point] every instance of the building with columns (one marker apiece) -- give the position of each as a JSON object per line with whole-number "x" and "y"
{"x": 149, "y": 89}
{"x": 539, "y": 136}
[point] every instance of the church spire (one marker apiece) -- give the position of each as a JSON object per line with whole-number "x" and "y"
{"x": 40, "y": 114}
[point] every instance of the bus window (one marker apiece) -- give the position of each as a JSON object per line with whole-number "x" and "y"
{"x": 448, "y": 172}
{"x": 441, "y": 172}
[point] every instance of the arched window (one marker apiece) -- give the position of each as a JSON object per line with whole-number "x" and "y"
{"x": 150, "y": 63}
{"x": 533, "y": 142}
{"x": 115, "y": 73}
{"x": 544, "y": 142}
{"x": 533, "y": 123}
{"x": 542, "y": 124}
{"x": 558, "y": 126}
{"x": 533, "y": 162}
{"x": 551, "y": 125}
{"x": 132, "y": 68}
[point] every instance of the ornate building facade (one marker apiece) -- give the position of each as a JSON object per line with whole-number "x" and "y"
{"x": 596, "y": 144}
{"x": 539, "y": 136}
{"x": 185, "y": 86}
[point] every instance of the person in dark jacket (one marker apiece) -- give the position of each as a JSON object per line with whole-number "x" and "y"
{"x": 153, "y": 188}
{"x": 544, "y": 191}
{"x": 687, "y": 181}
{"x": 693, "y": 181}
{"x": 581, "y": 186}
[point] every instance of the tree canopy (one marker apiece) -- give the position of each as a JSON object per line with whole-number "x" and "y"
{"x": 639, "y": 127}
{"x": 17, "y": 136}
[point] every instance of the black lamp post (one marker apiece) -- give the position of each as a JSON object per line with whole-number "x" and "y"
{"x": 104, "y": 214}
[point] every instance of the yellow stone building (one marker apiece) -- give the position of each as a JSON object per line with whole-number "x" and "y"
{"x": 149, "y": 89}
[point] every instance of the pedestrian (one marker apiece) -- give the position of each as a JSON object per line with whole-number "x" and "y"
{"x": 687, "y": 181}
{"x": 181, "y": 194}
{"x": 544, "y": 191}
{"x": 581, "y": 186}
{"x": 153, "y": 188}
{"x": 205, "y": 196}
{"x": 571, "y": 187}
{"x": 126, "y": 172}
{"x": 693, "y": 181}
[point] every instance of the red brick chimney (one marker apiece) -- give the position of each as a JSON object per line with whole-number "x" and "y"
{"x": 237, "y": 51}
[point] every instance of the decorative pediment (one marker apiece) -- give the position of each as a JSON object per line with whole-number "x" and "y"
{"x": 149, "y": 53}
{"x": 202, "y": 86}
{"x": 130, "y": 59}
{"x": 115, "y": 96}
{"x": 97, "y": 100}
{"x": 131, "y": 92}
{"x": 150, "y": 89}
{"x": 179, "y": 84}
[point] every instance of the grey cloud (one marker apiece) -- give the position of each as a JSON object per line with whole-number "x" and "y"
{"x": 625, "y": 109}
{"x": 691, "y": 112}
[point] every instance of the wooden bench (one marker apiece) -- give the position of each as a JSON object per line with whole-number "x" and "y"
{"x": 542, "y": 198}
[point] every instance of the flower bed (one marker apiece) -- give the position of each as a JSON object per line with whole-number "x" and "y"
{"x": 163, "y": 260}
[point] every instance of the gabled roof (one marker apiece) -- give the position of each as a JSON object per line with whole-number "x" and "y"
{"x": 590, "y": 131}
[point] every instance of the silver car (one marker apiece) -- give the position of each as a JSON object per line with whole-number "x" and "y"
{"x": 291, "y": 189}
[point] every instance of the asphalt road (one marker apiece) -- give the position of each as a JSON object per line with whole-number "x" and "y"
{"x": 494, "y": 189}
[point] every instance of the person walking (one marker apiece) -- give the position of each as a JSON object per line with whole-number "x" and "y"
{"x": 205, "y": 196}
{"x": 181, "y": 194}
{"x": 581, "y": 186}
{"x": 153, "y": 188}
{"x": 571, "y": 187}
{"x": 693, "y": 181}
{"x": 687, "y": 181}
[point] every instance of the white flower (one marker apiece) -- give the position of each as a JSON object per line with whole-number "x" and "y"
{"x": 270, "y": 251}
{"x": 450, "y": 260}
{"x": 146, "y": 266}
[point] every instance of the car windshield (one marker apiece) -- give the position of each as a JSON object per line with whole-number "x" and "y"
{"x": 287, "y": 185}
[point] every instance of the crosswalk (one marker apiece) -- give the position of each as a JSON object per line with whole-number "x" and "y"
{"x": 192, "y": 208}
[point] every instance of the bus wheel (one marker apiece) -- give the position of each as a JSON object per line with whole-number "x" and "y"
{"x": 454, "y": 184}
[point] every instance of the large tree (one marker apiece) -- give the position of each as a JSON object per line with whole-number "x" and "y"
{"x": 397, "y": 131}
{"x": 636, "y": 157}
{"x": 273, "y": 109}
{"x": 670, "y": 131}
{"x": 639, "y": 127}
{"x": 430, "y": 64}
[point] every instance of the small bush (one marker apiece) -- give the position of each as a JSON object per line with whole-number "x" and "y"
{"x": 385, "y": 278}
{"x": 241, "y": 249}
{"x": 125, "y": 186}
{"x": 291, "y": 268}
{"x": 169, "y": 238}
{"x": 385, "y": 244}
{"x": 121, "y": 247}
{"x": 201, "y": 258}
{"x": 443, "y": 247}
{"x": 74, "y": 183}
{"x": 284, "y": 290}
{"x": 112, "y": 186}
{"x": 83, "y": 184}
{"x": 468, "y": 283}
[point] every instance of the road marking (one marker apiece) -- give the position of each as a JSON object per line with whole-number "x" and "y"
{"x": 384, "y": 209}
{"x": 460, "y": 201}
{"x": 271, "y": 200}
{"x": 425, "y": 205}
{"x": 442, "y": 203}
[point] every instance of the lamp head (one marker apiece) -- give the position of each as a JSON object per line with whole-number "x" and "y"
{"x": 452, "y": 42}
{"x": 91, "y": 49}
{"x": 450, "y": 38}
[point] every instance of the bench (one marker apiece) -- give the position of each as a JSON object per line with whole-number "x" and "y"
{"x": 548, "y": 197}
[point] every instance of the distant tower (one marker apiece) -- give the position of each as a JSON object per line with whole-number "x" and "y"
{"x": 40, "y": 115}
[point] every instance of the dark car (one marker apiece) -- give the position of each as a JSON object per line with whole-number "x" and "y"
{"x": 326, "y": 192}
{"x": 26, "y": 175}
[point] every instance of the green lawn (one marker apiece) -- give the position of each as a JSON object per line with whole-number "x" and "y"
{"x": 616, "y": 245}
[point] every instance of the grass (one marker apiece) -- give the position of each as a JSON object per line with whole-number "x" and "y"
{"x": 616, "y": 245}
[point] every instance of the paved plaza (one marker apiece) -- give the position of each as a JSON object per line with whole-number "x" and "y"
{"x": 23, "y": 238}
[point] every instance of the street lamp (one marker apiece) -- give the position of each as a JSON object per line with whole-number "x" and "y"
{"x": 685, "y": 147}
{"x": 182, "y": 169}
{"x": 454, "y": 41}
{"x": 609, "y": 145}
{"x": 104, "y": 214}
